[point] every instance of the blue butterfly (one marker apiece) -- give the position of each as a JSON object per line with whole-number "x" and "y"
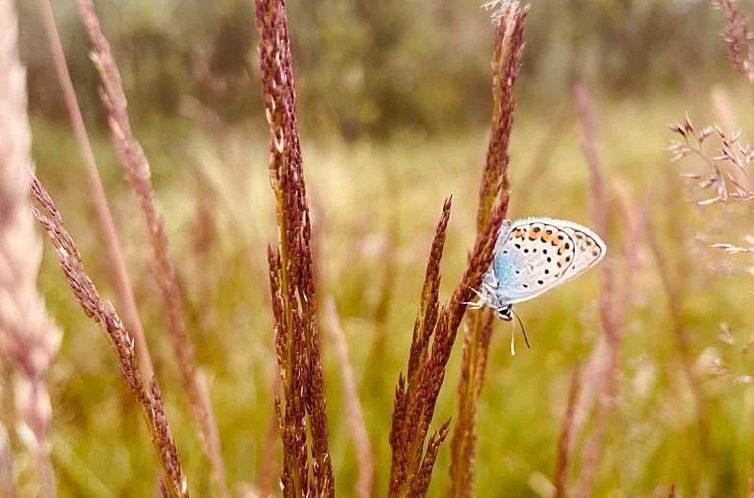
{"x": 532, "y": 256}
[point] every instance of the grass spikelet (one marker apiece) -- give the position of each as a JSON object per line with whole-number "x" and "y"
{"x": 29, "y": 340}
{"x": 307, "y": 469}
{"x": 137, "y": 170}
{"x": 149, "y": 397}
{"x": 416, "y": 394}
{"x": 508, "y": 25}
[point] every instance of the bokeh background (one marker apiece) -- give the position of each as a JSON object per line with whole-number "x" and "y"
{"x": 394, "y": 107}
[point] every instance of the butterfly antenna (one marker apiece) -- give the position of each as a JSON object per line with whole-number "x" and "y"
{"x": 523, "y": 329}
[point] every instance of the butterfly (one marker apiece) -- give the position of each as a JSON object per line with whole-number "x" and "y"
{"x": 532, "y": 256}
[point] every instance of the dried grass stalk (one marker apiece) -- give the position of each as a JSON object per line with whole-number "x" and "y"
{"x": 122, "y": 283}
{"x": 149, "y": 396}
{"x": 354, "y": 414}
{"x": 508, "y": 25}
{"x": 137, "y": 170}
{"x": 29, "y": 340}
{"x": 302, "y": 420}
{"x": 432, "y": 341}
{"x": 612, "y": 320}
{"x": 566, "y": 432}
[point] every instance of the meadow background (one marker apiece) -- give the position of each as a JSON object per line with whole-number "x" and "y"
{"x": 394, "y": 106}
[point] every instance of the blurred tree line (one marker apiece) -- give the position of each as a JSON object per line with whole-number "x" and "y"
{"x": 366, "y": 67}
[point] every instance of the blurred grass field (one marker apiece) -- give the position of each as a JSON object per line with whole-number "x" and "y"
{"x": 375, "y": 205}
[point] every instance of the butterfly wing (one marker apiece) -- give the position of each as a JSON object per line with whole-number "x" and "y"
{"x": 534, "y": 255}
{"x": 590, "y": 248}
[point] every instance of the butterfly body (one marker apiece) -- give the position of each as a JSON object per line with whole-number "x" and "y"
{"x": 532, "y": 256}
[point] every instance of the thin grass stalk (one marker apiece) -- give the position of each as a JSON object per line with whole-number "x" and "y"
{"x": 566, "y": 432}
{"x": 302, "y": 420}
{"x": 122, "y": 283}
{"x": 432, "y": 341}
{"x": 508, "y": 25}
{"x": 354, "y": 414}
{"x": 673, "y": 293}
{"x": 269, "y": 467}
{"x": 389, "y": 258}
{"x": 612, "y": 322}
{"x": 29, "y": 340}
{"x": 543, "y": 155}
{"x": 148, "y": 396}
{"x": 138, "y": 172}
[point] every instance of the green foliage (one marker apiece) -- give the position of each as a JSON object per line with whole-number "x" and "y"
{"x": 374, "y": 68}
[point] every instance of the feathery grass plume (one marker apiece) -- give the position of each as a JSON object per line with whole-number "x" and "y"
{"x": 612, "y": 320}
{"x": 29, "y": 340}
{"x": 566, "y": 432}
{"x": 508, "y": 25}
{"x": 354, "y": 414}
{"x": 738, "y": 38}
{"x": 149, "y": 397}
{"x": 302, "y": 420}
{"x": 416, "y": 393}
{"x": 137, "y": 171}
{"x": 728, "y": 165}
{"x": 122, "y": 283}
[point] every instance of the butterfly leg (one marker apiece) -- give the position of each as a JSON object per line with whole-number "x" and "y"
{"x": 480, "y": 303}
